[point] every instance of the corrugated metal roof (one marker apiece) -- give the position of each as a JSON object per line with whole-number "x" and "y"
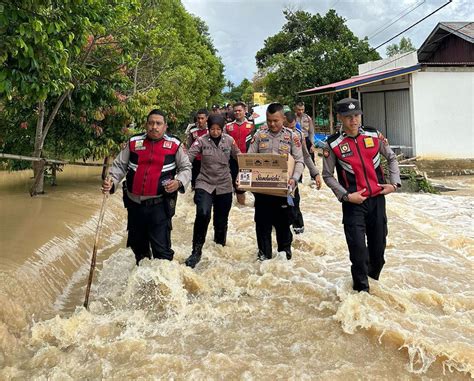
{"x": 359, "y": 80}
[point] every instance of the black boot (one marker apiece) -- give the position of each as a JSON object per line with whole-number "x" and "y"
{"x": 195, "y": 256}
{"x": 220, "y": 237}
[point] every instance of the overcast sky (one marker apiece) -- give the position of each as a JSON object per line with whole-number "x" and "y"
{"x": 240, "y": 27}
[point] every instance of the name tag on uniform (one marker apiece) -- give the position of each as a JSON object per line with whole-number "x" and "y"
{"x": 284, "y": 147}
{"x": 369, "y": 142}
{"x": 248, "y": 125}
{"x": 167, "y": 144}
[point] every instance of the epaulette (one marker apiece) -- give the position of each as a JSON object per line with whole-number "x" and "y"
{"x": 332, "y": 137}
{"x": 172, "y": 138}
{"x": 139, "y": 136}
{"x": 370, "y": 129}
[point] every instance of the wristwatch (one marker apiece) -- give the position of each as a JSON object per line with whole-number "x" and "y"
{"x": 345, "y": 197}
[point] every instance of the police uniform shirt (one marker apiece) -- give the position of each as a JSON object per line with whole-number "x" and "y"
{"x": 215, "y": 173}
{"x": 119, "y": 170}
{"x": 330, "y": 160}
{"x": 313, "y": 170}
{"x": 307, "y": 126}
{"x": 284, "y": 142}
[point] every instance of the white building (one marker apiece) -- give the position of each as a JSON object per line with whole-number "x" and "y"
{"x": 422, "y": 101}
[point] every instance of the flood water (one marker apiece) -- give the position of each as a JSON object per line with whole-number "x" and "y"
{"x": 232, "y": 317}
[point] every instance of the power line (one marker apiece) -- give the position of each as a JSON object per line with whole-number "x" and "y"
{"x": 405, "y": 54}
{"x": 411, "y": 26}
{"x": 378, "y": 31}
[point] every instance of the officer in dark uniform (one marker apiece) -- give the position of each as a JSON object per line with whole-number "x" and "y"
{"x": 355, "y": 152}
{"x": 156, "y": 167}
{"x": 272, "y": 211}
{"x": 213, "y": 185}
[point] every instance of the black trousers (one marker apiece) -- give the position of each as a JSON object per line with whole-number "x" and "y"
{"x": 365, "y": 221}
{"x": 196, "y": 168}
{"x": 309, "y": 144}
{"x": 149, "y": 226}
{"x": 296, "y": 217}
{"x": 204, "y": 202}
{"x": 234, "y": 171}
{"x": 272, "y": 211}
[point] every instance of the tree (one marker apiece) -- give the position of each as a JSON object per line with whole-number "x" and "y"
{"x": 310, "y": 50}
{"x": 243, "y": 92}
{"x": 50, "y": 48}
{"x": 90, "y": 71}
{"x": 405, "y": 46}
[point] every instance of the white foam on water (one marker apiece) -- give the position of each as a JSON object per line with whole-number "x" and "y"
{"x": 235, "y": 318}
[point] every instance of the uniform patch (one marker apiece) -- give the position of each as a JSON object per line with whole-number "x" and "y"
{"x": 263, "y": 146}
{"x": 325, "y": 152}
{"x": 230, "y": 128}
{"x": 369, "y": 142}
{"x": 138, "y": 143}
{"x": 284, "y": 147}
{"x": 195, "y": 134}
{"x": 248, "y": 125}
{"x": 297, "y": 141}
{"x": 286, "y": 137}
{"x": 167, "y": 144}
{"x": 344, "y": 148}
{"x": 263, "y": 136}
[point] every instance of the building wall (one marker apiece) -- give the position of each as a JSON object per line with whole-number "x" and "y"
{"x": 443, "y": 114}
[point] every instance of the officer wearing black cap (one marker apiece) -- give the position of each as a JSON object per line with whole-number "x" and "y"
{"x": 355, "y": 153}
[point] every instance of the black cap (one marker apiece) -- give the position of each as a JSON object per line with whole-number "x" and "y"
{"x": 348, "y": 106}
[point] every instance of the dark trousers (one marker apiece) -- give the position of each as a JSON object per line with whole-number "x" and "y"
{"x": 204, "y": 202}
{"x": 272, "y": 211}
{"x": 149, "y": 226}
{"x": 234, "y": 171}
{"x": 295, "y": 212}
{"x": 196, "y": 168}
{"x": 309, "y": 144}
{"x": 367, "y": 220}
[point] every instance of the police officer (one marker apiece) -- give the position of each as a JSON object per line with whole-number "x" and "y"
{"x": 241, "y": 130}
{"x": 156, "y": 167}
{"x": 194, "y": 132}
{"x": 355, "y": 151}
{"x": 213, "y": 185}
{"x": 307, "y": 127}
{"x": 297, "y": 216}
{"x": 273, "y": 210}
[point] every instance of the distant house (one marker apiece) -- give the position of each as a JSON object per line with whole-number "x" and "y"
{"x": 422, "y": 101}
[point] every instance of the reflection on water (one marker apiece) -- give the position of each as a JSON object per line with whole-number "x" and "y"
{"x": 233, "y": 317}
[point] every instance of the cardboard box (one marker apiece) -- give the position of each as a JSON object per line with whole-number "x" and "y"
{"x": 265, "y": 173}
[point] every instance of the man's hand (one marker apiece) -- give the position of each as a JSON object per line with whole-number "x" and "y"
{"x": 107, "y": 185}
{"x": 311, "y": 150}
{"x": 356, "y": 197}
{"x": 172, "y": 186}
{"x": 387, "y": 188}
{"x": 317, "y": 180}
{"x": 292, "y": 183}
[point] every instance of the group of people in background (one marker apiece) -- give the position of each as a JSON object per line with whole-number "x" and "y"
{"x": 157, "y": 166}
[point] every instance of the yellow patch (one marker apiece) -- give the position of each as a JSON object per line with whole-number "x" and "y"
{"x": 369, "y": 142}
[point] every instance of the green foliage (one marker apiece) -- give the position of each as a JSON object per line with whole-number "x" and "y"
{"x": 243, "y": 92}
{"x": 310, "y": 50}
{"x": 405, "y": 46}
{"x": 416, "y": 182}
{"x": 110, "y": 61}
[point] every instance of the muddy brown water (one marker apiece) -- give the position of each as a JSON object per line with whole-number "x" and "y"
{"x": 232, "y": 317}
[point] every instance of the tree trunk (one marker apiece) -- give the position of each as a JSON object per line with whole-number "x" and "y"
{"x": 38, "y": 166}
{"x": 41, "y": 132}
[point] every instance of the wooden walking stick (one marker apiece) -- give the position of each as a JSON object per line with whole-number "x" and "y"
{"x": 94, "y": 251}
